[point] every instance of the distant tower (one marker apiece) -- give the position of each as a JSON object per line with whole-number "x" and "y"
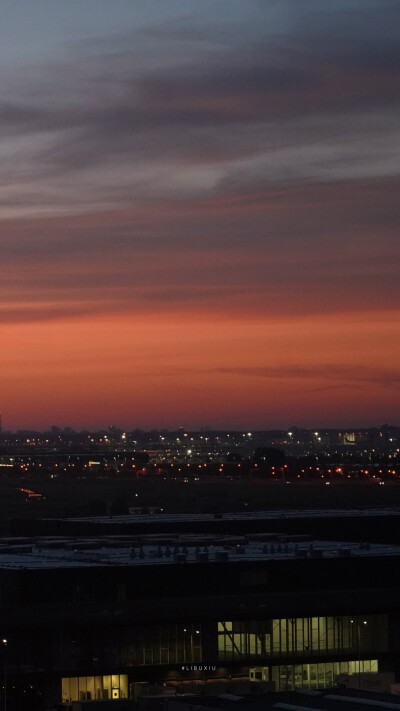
{"x": 0, "y": 421}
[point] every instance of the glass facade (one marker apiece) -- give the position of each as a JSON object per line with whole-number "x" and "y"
{"x": 166, "y": 644}
{"x": 134, "y": 646}
{"x": 302, "y": 652}
{"x": 88, "y": 688}
{"x": 302, "y": 637}
{"x": 321, "y": 675}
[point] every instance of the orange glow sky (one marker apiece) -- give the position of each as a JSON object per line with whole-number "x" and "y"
{"x": 200, "y": 232}
{"x": 183, "y": 367}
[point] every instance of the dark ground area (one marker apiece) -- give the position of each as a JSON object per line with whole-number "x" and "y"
{"x": 113, "y": 496}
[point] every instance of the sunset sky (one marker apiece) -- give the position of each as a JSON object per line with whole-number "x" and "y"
{"x": 200, "y": 211}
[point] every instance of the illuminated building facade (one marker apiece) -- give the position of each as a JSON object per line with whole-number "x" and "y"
{"x": 101, "y": 618}
{"x": 348, "y": 643}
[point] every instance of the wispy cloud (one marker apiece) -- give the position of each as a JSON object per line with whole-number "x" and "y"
{"x": 293, "y": 94}
{"x": 333, "y": 375}
{"x": 307, "y": 250}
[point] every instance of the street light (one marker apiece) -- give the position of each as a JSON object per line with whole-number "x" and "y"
{"x": 357, "y": 624}
{"x": 191, "y": 635}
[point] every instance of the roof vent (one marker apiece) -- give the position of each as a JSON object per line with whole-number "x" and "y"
{"x": 344, "y": 552}
{"x": 316, "y": 553}
{"x": 180, "y": 558}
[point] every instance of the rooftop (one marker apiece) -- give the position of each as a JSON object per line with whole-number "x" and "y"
{"x": 241, "y": 516}
{"x": 66, "y": 552}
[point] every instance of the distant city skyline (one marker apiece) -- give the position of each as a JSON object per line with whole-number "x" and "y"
{"x": 314, "y": 429}
{"x": 199, "y": 214}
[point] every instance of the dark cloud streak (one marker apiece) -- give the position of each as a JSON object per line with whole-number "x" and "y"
{"x": 343, "y": 374}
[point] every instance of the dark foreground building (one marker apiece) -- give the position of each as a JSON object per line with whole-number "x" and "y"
{"x": 108, "y": 617}
{"x": 378, "y": 525}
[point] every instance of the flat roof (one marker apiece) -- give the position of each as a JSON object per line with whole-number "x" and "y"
{"x": 67, "y": 552}
{"x": 240, "y": 516}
